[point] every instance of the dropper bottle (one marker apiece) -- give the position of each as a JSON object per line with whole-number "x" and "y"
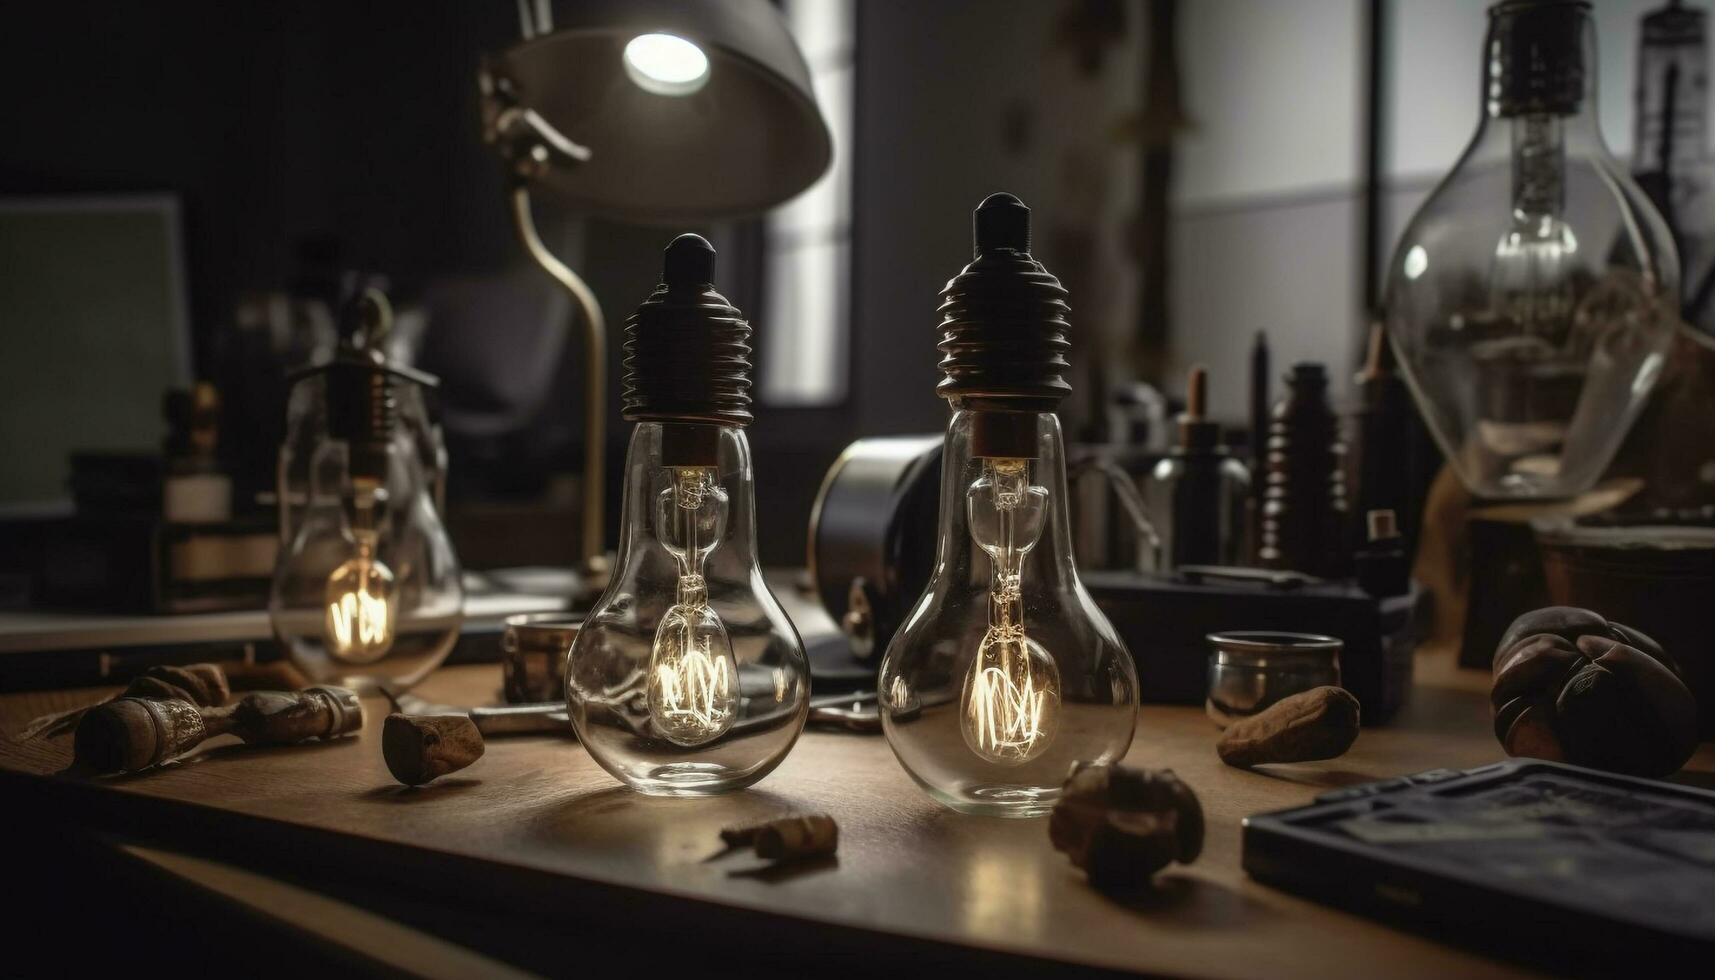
{"x": 1198, "y": 494}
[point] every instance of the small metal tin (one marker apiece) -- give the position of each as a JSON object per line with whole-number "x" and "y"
{"x": 533, "y": 653}
{"x": 1249, "y": 670}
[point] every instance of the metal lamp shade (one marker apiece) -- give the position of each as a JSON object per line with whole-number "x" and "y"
{"x": 748, "y": 139}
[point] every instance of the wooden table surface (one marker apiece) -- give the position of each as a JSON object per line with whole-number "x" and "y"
{"x": 906, "y": 866}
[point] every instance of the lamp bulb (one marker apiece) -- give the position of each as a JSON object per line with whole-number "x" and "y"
{"x": 666, "y": 64}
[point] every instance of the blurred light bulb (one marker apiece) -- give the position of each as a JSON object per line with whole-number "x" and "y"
{"x": 1533, "y": 294}
{"x": 693, "y": 678}
{"x": 666, "y": 64}
{"x": 1011, "y": 701}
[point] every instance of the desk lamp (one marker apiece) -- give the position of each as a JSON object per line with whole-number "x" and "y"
{"x": 647, "y": 111}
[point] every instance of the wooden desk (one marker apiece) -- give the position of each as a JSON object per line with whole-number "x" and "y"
{"x": 535, "y": 824}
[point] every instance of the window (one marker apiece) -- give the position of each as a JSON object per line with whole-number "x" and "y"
{"x": 807, "y": 243}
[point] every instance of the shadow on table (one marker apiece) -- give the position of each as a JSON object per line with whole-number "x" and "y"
{"x": 1192, "y": 902}
{"x": 439, "y": 789}
{"x": 225, "y": 753}
{"x": 1306, "y": 773}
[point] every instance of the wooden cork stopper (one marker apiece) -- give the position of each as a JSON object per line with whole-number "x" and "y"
{"x": 420, "y": 748}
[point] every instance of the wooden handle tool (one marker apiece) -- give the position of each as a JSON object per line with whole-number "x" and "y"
{"x": 135, "y": 734}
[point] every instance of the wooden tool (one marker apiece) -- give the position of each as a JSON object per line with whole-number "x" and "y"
{"x": 203, "y": 684}
{"x": 133, "y": 734}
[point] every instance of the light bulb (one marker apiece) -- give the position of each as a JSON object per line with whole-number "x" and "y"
{"x": 686, "y": 678}
{"x": 1011, "y": 700}
{"x": 366, "y": 589}
{"x": 666, "y": 64}
{"x": 1532, "y": 298}
{"x": 1005, "y": 673}
{"x": 693, "y": 679}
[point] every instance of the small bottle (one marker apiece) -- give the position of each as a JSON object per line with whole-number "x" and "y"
{"x": 1199, "y": 491}
{"x": 1382, "y": 570}
{"x": 1380, "y": 457}
{"x": 1304, "y": 502}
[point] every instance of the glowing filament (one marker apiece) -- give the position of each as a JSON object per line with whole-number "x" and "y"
{"x": 1011, "y": 702}
{"x": 360, "y": 610}
{"x": 1007, "y": 703}
{"x": 693, "y": 678}
{"x": 693, "y": 687}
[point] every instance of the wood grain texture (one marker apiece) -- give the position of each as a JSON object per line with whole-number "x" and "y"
{"x": 905, "y": 867}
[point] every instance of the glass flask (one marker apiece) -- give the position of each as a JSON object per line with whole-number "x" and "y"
{"x": 366, "y": 590}
{"x": 1533, "y": 296}
{"x": 687, "y": 678}
{"x": 1005, "y": 673}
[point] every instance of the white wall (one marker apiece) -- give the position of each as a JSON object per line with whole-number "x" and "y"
{"x": 1265, "y": 232}
{"x": 1273, "y": 92}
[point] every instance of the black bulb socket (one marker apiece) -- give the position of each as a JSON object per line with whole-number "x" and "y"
{"x": 1003, "y": 334}
{"x": 687, "y": 358}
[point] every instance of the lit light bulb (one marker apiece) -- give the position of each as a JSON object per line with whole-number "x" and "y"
{"x": 1011, "y": 700}
{"x": 360, "y": 609}
{"x": 693, "y": 678}
{"x": 687, "y": 678}
{"x": 987, "y": 710}
{"x": 666, "y": 64}
{"x": 366, "y": 589}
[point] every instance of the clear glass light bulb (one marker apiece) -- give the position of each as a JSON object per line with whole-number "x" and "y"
{"x": 367, "y": 592}
{"x": 693, "y": 679}
{"x": 1005, "y": 673}
{"x": 1532, "y": 298}
{"x": 1011, "y": 700}
{"x": 687, "y": 679}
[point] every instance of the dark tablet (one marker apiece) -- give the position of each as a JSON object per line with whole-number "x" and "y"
{"x": 1553, "y": 863}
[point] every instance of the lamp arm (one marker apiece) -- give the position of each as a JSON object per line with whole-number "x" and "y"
{"x": 595, "y": 383}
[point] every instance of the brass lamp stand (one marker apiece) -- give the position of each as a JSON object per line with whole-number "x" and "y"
{"x": 531, "y": 147}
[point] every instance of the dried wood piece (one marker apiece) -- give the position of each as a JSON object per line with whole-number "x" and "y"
{"x": 201, "y": 684}
{"x": 134, "y": 734}
{"x": 1321, "y": 723}
{"x": 788, "y": 838}
{"x": 419, "y": 748}
{"x": 1122, "y": 825}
